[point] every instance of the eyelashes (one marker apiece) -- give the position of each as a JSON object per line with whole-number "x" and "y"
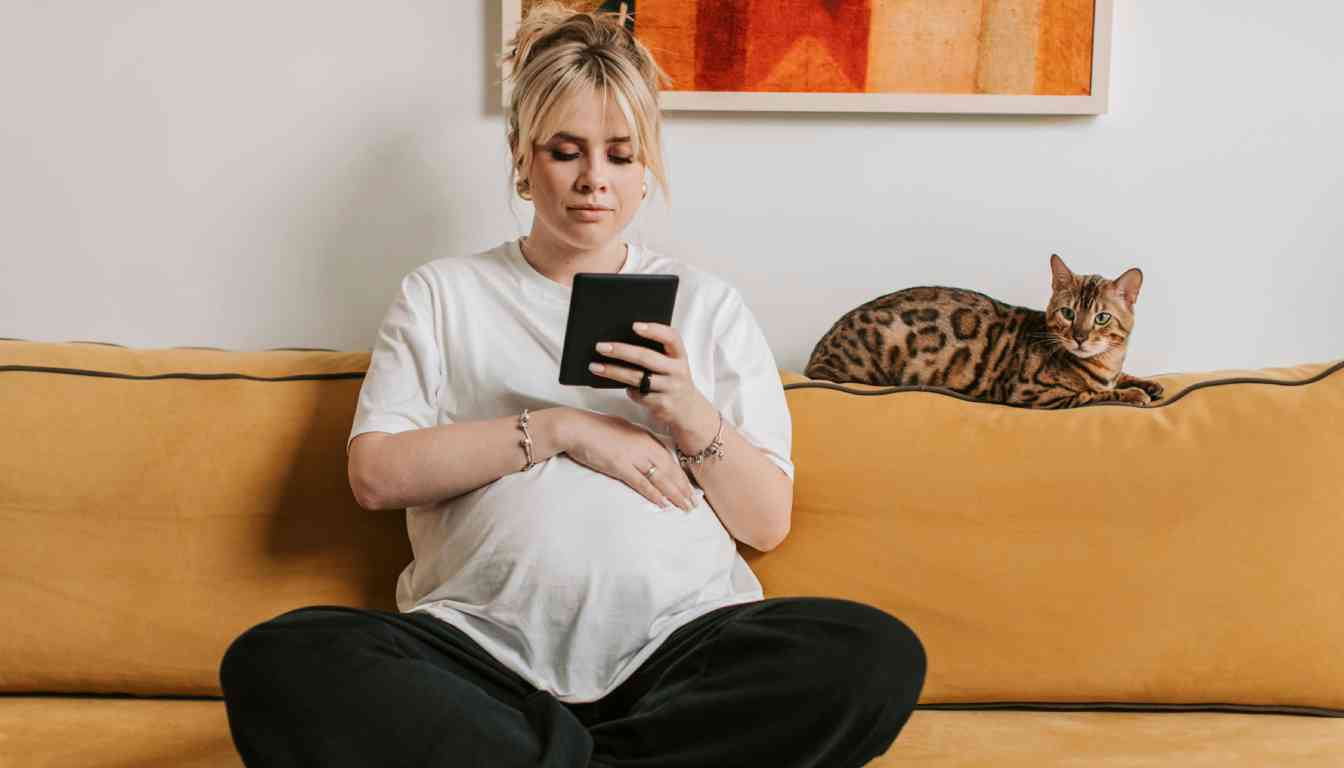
{"x": 562, "y": 157}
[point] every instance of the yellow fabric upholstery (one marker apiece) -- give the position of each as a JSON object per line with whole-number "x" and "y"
{"x": 154, "y": 511}
{"x": 165, "y": 733}
{"x": 154, "y": 503}
{"x": 1183, "y": 554}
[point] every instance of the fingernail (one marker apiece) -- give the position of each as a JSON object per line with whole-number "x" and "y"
{"x": 603, "y": 346}
{"x": 595, "y": 367}
{"x": 639, "y": 326}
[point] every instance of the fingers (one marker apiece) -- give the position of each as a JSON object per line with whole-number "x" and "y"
{"x": 666, "y": 334}
{"x": 666, "y": 485}
{"x": 633, "y": 353}
{"x": 630, "y": 376}
{"x": 671, "y": 364}
{"x": 658, "y": 362}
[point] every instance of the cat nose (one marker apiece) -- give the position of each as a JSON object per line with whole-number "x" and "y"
{"x": 1079, "y": 337}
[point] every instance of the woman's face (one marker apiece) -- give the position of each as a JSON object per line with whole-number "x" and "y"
{"x": 585, "y": 181}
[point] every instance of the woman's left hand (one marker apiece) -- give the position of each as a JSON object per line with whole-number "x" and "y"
{"x": 673, "y": 397}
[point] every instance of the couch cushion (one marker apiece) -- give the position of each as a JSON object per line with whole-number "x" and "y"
{"x": 1020, "y": 739}
{"x": 155, "y": 503}
{"x": 157, "y": 733}
{"x": 58, "y": 731}
{"x": 1187, "y": 553}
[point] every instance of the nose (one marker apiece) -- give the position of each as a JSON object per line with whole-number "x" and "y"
{"x": 592, "y": 177}
{"x": 1079, "y": 336}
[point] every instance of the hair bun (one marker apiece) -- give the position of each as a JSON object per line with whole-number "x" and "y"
{"x": 543, "y": 17}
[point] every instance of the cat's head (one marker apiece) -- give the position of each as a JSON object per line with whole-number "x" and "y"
{"x": 1088, "y": 314}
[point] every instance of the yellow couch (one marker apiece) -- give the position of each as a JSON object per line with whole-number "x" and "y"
{"x": 1103, "y": 586}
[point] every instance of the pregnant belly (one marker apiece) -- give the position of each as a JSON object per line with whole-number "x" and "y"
{"x": 569, "y": 535}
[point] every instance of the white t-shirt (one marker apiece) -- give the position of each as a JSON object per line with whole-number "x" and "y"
{"x": 563, "y": 574}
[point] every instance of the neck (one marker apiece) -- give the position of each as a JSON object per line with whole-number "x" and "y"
{"x": 1108, "y": 364}
{"x": 560, "y": 261}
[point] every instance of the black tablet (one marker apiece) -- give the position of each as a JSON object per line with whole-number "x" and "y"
{"x": 604, "y": 306}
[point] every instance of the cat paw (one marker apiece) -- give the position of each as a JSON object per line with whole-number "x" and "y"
{"x": 1153, "y": 389}
{"x": 1133, "y": 395}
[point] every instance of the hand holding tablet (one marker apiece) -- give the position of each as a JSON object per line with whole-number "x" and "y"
{"x": 604, "y": 306}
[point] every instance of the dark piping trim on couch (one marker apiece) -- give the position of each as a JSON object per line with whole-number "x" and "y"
{"x": 820, "y": 384}
{"x": 810, "y": 384}
{"x": 111, "y": 375}
{"x": 217, "y": 349}
{"x": 1109, "y": 706}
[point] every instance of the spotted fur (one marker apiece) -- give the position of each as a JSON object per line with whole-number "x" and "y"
{"x": 1067, "y": 355}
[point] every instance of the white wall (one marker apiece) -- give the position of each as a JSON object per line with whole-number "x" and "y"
{"x": 260, "y": 174}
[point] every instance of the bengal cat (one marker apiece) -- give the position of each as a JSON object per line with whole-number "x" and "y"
{"x": 1066, "y": 356}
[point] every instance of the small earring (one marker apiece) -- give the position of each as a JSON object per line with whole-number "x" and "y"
{"x": 646, "y": 191}
{"x": 524, "y": 189}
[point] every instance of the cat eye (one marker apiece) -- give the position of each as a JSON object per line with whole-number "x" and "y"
{"x": 1067, "y": 313}
{"x": 1103, "y": 318}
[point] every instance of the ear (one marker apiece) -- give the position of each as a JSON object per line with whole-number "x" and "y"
{"x": 1062, "y": 276}
{"x": 1128, "y": 284}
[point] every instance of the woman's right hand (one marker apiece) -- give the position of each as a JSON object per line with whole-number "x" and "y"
{"x": 618, "y": 448}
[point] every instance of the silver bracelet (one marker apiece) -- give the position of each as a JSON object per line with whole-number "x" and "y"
{"x": 526, "y": 442}
{"x": 714, "y": 449}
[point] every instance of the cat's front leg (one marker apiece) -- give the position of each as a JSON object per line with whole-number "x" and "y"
{"x": 1127, "y": 395}
{"x": 1153, "y": 389}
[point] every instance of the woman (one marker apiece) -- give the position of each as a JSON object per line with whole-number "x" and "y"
{"x": 576, "y": 597}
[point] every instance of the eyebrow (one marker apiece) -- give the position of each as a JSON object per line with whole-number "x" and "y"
{"x": 566, "y": 136}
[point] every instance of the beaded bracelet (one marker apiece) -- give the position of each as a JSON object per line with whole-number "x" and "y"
{"x": 714, "y": 449}
{"x": 526, "y": 442}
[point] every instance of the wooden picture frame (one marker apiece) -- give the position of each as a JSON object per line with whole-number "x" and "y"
{"x": 1094, "y": 102}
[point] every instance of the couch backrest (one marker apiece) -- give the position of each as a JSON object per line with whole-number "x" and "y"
{"x": 156, "y": 503}
{"x": 1187, "y": 553}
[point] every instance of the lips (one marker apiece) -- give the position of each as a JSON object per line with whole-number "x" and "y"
{"x": 589, "y": 214}
{"x": 588, "y": 208}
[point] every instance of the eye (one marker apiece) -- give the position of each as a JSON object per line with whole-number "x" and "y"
{"x": 620, "y": 160}
{"x": 558, "y": 155}
{"x": 1103, "y": 318}
{"x": 1067, "y": 313}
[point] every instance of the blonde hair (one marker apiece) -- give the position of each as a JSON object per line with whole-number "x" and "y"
{"x": 559, "y": 53}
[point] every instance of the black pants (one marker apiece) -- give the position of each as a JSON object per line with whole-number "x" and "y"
{"x": 790, "y": 681}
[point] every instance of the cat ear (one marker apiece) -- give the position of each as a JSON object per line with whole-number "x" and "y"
{"x": 1063, "y": 277}
{"x": 1127, "y": 285}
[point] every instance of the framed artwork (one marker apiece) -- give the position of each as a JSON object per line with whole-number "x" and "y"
{"x": 949, "y": 56}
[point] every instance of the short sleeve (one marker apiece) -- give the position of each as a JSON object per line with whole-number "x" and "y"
{"x": 406, "y": 369}
{"x": 747, "y": 386}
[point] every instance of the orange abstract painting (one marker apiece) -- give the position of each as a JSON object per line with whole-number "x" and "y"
{"x": 1015, "y": 47}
